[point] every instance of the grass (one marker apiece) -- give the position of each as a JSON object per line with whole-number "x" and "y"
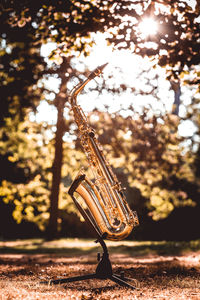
{"x": 76, "y": 246}
{"x": 159, "y": 270}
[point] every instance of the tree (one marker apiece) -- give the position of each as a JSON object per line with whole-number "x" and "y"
{"x": 25, "y": 181}
{"x": 21, "y": 69}
{"x": 149, "y": 157}
{"x": 69, "y": 24}
{"x": 176, "y": 43}
{"x": 176, "y": 47}
{"x": 60, "y": 101}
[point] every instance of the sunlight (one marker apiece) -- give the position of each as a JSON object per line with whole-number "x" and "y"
{"x": 125, "y": 67}
{"x": 148, "y": 26}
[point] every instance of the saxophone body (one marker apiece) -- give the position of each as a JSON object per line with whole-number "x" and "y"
{"x": 103, "y": 197}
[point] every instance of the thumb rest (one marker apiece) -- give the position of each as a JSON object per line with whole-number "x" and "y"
{"x": 104, "y": 202}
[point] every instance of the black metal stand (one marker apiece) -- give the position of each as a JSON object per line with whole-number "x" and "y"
{"x": 104, "y": 267}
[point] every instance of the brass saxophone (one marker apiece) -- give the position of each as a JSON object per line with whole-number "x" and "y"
{"x": 104, "y": 199}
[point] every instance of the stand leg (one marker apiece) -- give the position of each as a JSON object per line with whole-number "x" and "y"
{"x": 122, "y": 282}
{"x": 70, "y": 279}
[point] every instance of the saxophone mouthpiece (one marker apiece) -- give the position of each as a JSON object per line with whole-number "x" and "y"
{"x": 102, "y": 67}
{"x": 97, "y": 71}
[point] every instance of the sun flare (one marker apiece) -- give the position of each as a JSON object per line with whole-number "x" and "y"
{"x": 148, "y": 27}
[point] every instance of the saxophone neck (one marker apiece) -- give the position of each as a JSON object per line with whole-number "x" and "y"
{"x": 75, "y": 91}
{"x": 78, "y": 88}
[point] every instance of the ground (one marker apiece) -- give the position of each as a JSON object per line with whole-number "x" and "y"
{"x": 155, "y": 275}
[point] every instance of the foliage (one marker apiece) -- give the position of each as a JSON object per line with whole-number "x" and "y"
{"x": 26, "y": 183}
{"x": 20, "y": 70}
{"x": 176, "y": 43}
{"x": 68, "y": 23}
{"x": 26, "y": 180}
{"x": 147, "y": 151}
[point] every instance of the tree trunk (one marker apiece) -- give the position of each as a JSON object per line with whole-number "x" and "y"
{"x": 175, "y": 86}
{"x": 61, "y": 99}
{"x": 52, "y": 229}
{"x": 56, "y": 172}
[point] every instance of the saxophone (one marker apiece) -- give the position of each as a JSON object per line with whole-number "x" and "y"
{"x": 104, "y": 200}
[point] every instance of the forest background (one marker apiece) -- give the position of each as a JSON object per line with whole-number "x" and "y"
{"x": 150, "y": 138}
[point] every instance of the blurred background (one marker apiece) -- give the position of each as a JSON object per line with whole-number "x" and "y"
{"x": 145, "y": 110}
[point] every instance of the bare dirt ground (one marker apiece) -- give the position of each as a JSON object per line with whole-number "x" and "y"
{"x": 155, "y": 277}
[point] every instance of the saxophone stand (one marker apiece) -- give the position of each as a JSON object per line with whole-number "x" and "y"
{"x": 104, "y": 267}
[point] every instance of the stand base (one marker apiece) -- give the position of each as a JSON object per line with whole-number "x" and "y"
{"x": 114, "y": 277}
{"x": 103, "y": 271}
